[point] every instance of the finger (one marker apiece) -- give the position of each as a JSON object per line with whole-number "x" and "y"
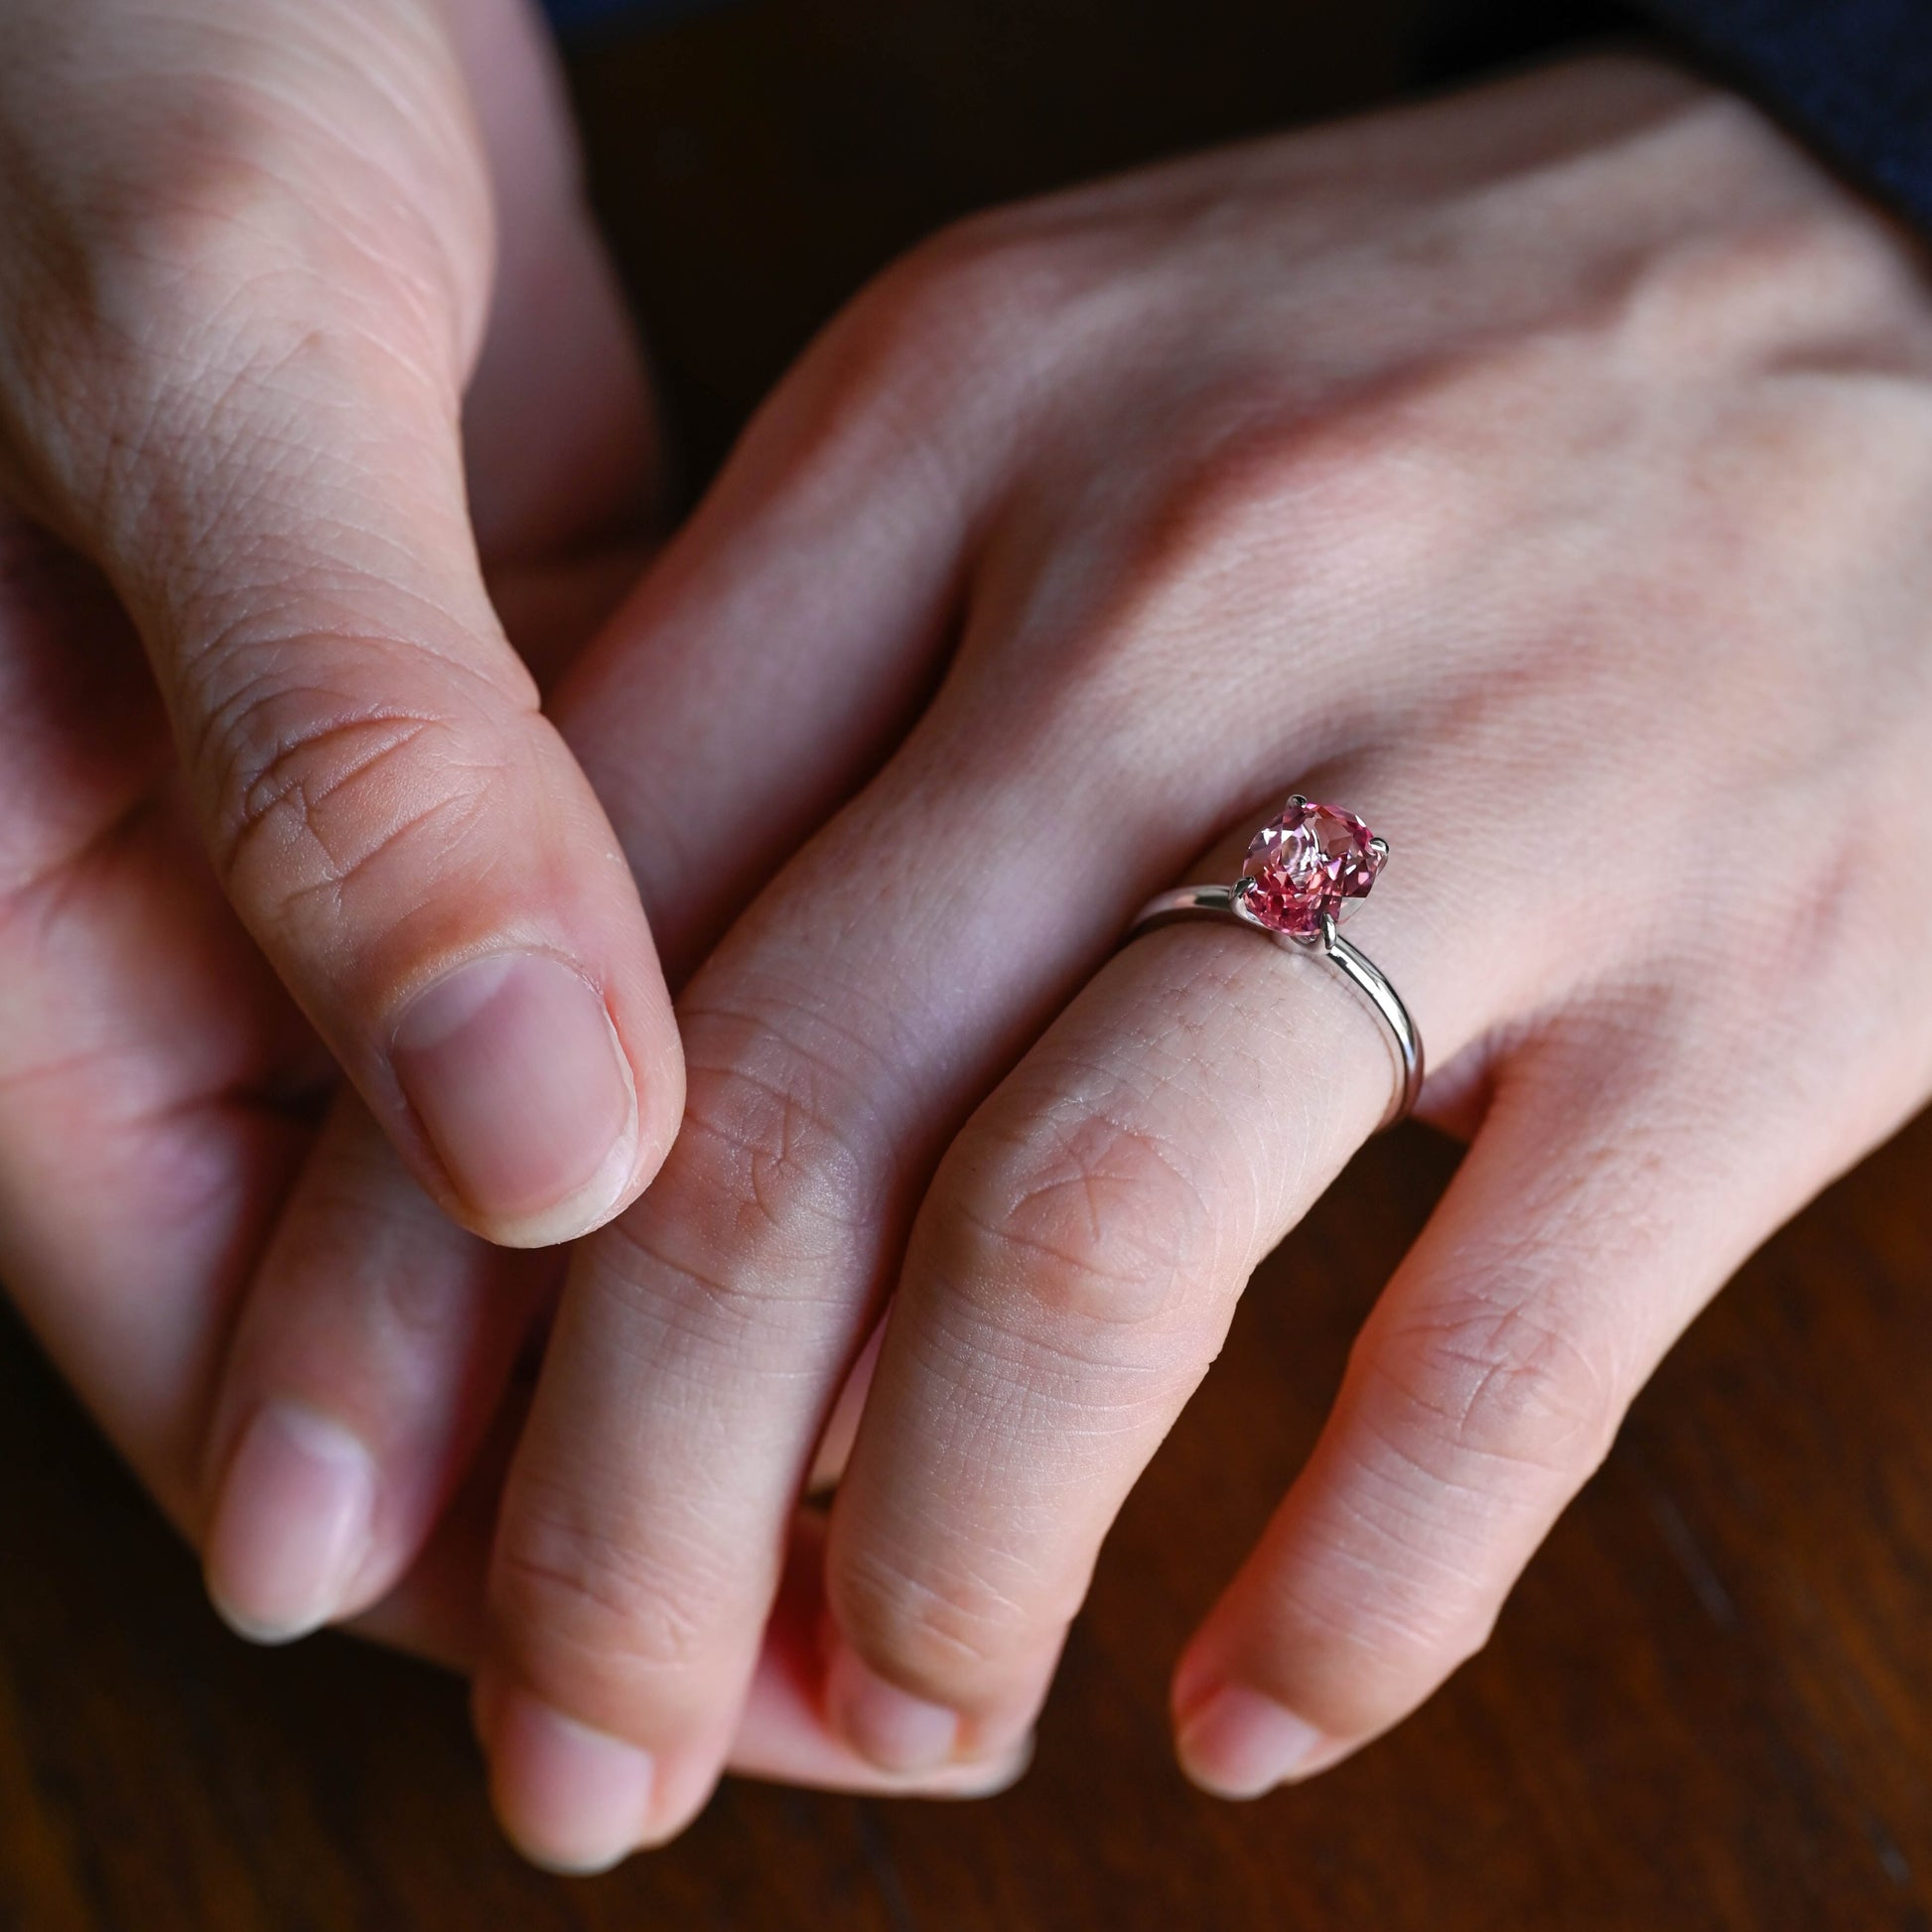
{"x": 437, "y": 1612}
{"x": 780, "y": 1733}
{"x": 374, "y": 1345}
{"x": 1071, "y": 1276}
{"x": 377, "y": 1334}
{"x": 1602, "y": 1205}
{"x": 837, "y": 1038}
{"x": 750, "y": 686}
{"x": 889, "y": 974}
{"x": 720, "y": 667}
{"x": 144, "y": 1047}
{"x": 705, "y": 1342}
{"x": 401, "y": 830}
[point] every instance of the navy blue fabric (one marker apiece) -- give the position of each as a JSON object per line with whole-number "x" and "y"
{"x": 1855, "y": 76}
{"x": 571, "y": 14}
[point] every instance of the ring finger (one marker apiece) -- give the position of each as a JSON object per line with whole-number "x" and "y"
{"x": 880, "y": 988}
{"x": 1077, "y": 1261}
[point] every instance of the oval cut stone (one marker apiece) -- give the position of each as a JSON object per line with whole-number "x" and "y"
{"x": 1307, "y": 862}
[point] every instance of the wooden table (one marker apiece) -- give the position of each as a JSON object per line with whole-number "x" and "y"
{"x": 1709, "y": 1706}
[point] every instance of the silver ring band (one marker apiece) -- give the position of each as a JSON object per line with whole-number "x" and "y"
{"x": 1228, "y": 903}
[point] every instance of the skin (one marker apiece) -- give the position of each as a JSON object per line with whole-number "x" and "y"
{"x": 196, "y": 1218}
{"x": 1539, "y": 474}
{"x": 248, "y": 266}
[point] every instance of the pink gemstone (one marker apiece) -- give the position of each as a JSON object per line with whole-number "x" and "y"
{"x": 1307, "y": 864}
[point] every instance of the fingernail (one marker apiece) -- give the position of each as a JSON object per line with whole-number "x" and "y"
{"x": 894, "y": 1729}
{"x": 292, "y": 1524}
{"x": 999, "y": 1776}
{"x": 1238, "y": 1743}
{"x": 517, "y": 1078}
{"x": 572, "y": 1799}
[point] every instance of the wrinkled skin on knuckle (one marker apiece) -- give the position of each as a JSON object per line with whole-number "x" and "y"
{"x": 1498, "y": 1389}
{"x": 1074, "y": 1227}
{"x": 759, "y": 1245}
{"x": 1354, "y": 1648}
{"x": 592, "y": 1613}
{"x": 955, "y": 1633}
{"x": 326, "y": 809}
{"x": 795, "y": 1150}
{"x": 701, "y": 1313}
{"x": 1473, "y": 1428}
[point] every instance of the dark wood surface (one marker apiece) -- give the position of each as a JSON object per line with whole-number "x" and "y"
{"x": 1709, "y": 1706}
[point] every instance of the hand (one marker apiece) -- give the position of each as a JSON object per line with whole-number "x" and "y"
{"x": 1542, "y": 475}
{"x": 295, "y": 1348}
{"x": 246, "y": 269}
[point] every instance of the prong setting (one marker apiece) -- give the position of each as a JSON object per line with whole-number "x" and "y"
{"x": 1313, "y": 860}
{"x": 1306, "y": 872}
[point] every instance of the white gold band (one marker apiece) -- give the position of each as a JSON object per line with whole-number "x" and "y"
{"x": 1228, "y": 904}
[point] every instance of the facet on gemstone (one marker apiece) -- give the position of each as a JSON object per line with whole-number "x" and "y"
{"x": 1305, "y": 865}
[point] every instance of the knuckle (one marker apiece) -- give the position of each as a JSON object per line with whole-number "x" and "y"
{"x": 222, "y": 223}
{"x": 1072, "y": 1222}
{"x": 783, "y": 1122}
{"x": 744, "y": 1315}
{"x": 959, "y": 282}
{"x": 783, "y": 1183}
{"x": 204, "y": 298}
{"x": 953, "y": 1635}
{"x": 1807, "y": 260}
{"x": 1488, "y": 1380}
{"x": 1358, "y": 483}
{"x": 595, "y": 1599}
{"x": 1350, "y": 477}
{"x": 975, "y": 297}
{"x": 1364, "y": 1650}
{"x": 317, "y": 799}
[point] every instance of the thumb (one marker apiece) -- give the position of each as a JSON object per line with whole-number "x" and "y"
{"x": 247, "y": 409}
